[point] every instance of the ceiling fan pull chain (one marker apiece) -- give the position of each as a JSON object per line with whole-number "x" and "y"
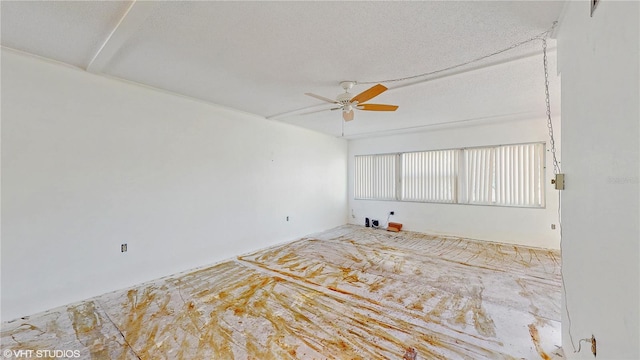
{"x": 552, "y": 142}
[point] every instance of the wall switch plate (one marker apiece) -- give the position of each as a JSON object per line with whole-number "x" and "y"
{"x": 558, "y": 181}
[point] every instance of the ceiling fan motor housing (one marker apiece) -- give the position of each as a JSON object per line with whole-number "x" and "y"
{"x": 344, "y": 98}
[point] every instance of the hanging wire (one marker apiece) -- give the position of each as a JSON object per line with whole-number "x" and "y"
{"x": 556, "y": 171}
{"x": 542, "y": 35}
{"x": 552, "y": 142}
{"x": 591, "y": 340}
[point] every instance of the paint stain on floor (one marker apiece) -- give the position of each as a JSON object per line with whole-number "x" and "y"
{"x": 347, "y": 293}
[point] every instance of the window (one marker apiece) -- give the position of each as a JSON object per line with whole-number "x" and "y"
{"x": 505, "y": 175}
{"x": 509, "y": 175}
{"x": 429, "y": 176}
{"x": 519, "y": 173}
{"x": 375, "y": 177}
{"x": 479, "y": 171}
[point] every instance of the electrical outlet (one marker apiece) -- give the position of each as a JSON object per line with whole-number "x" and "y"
{"x": 553, "y": 226}
{"x": 123, "y": 248}
{"x": 287, "y": 218}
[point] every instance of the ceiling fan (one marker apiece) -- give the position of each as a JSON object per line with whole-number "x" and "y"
{"x": 347, "y": 103}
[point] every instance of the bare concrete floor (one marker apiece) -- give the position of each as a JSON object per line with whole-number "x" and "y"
{"x": 348, "y": 293}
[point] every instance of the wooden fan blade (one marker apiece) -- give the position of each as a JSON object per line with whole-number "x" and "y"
{"x": 322, "y": 98}
{"x": 377, "y": 107}
{"x": 369, "y": 93}
{"x": 347, "y": 116}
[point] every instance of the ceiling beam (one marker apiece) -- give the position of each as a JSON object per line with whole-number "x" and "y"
{"x": 127, "y": 26}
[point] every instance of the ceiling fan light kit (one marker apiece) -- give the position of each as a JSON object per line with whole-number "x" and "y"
{"x": 347, "y": 103}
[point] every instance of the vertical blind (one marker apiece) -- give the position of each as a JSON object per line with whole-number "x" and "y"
{"x": 479, "y": 175}
{"x": 506, "y": 175}
{"x": 375, "y": 177}
{"x": 519, "y": 175}
{"x": 429, "y": 176}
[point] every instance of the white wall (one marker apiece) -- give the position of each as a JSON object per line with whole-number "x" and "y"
{"x": 526, "y": 226}
{"x": 89, "y": 163}
{"x": 598, "y": 60}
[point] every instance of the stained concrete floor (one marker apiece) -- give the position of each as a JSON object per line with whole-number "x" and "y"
{"x": 347, "y": 293}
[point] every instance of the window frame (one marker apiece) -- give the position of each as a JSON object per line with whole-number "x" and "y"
{"x": 460, "y": 195}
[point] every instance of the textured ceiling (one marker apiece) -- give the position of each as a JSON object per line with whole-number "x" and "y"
{"x": 71, "y": 32}
{"x": 261, "y": 57}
